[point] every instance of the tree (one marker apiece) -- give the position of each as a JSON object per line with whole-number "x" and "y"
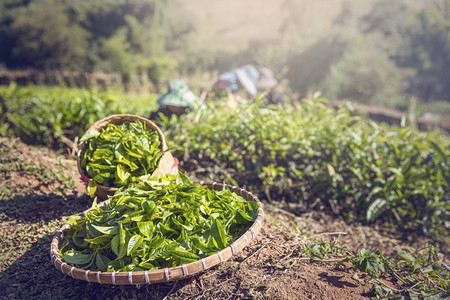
{"x": 47, "y": 40}
{"x": 308, "y": 69}
{"x": 367, "y": 74}
{"x": 429, "y": 54}
{"x": 115, "y": 51}
{"x": 108, "y": 35}
{"x": 416, "y": 40}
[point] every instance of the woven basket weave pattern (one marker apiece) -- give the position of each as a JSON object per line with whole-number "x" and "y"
{"x": 167, "y": 274}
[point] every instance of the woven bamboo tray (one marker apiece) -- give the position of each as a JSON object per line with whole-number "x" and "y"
{"x": 167, "y": 163}
{"x": 167, "y": 274}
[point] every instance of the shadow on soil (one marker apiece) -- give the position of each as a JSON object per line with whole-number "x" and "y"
{"x": 337, "y": 281}
{"x": 33, "y": 276}
{"x": 43, "y": 207}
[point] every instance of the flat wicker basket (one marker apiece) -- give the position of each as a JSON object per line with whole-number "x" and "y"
{"x": 167, "y": 163}
{"x": 167, "y": 274}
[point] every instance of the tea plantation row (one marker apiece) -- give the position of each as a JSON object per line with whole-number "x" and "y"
{"x": 306, "y": 153}
{"x": 313, "y": 154}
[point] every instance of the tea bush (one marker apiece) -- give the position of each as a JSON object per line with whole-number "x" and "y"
{"x": 306, "y": 153}
{"x": 52, "y": 115}
{"x": 311, "y": 153}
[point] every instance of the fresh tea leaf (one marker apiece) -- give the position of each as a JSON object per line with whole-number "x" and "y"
{"x": 134, "y": 243}
{"x": 76, "y": 258}
{"x": 218, "y": 233}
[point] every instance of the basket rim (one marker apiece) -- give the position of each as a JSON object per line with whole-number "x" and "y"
{"x": 167, "y": 274}
{"x": 116, "y": 118}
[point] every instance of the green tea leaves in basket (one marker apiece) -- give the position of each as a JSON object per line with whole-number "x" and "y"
{"x": 160, "y": 223}
{"x": 218, "y": 234}
{"x": 121, "y": 154}
{"x": 77, "y": 258}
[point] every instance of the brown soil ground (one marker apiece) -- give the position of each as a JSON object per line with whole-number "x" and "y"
{"x": 34, "y": 205}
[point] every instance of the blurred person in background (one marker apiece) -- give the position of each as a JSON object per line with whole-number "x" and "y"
{"x": 246, "y": 82}
{"x": 266, "y": 84}
{"x": 178, "y": 99}
{"x": 239, "y": 84}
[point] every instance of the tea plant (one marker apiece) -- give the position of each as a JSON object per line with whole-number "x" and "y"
{"x": 357, "y": 168}
{"x": 55, "y": 116}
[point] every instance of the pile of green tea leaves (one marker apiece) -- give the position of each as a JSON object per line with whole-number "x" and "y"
{"x": 120, "y": 155}
{"x": 162, "y": 222}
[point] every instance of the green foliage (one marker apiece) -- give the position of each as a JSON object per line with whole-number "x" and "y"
{"x": 83, "y": 35}
{"x": 430, "y": 46}
{"x": 419, "y": 273}
{"x": 51, "y": 116}
{"x": 162, "y": 222}
{"x": 439, "y": 108}
{"x": 367, "y": 74}
{"x": 381, "y": 52}
{"x": 308, "y": 151}
{"x": 115, "y": 49}
{"x": 308, "y": 69}
{"x": 140, "y": 104}
{"x": 159, "y": 69}
{"x": 305, "y": 152}
{"x": 120, "y": 155}
{"x": 416, "y": 40}
{"x": 48, "y": 40}
{"x": 383, "y": 58}
{"x": 321, "y": 249}
{"x": 369, "y": 262}
{"x": 414, "y": 267}
{"x": 380, "y": 292}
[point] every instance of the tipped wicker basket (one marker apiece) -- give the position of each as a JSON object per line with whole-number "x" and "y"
{"x": 167, "y": 163}
{"x": 167, "y": 274}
